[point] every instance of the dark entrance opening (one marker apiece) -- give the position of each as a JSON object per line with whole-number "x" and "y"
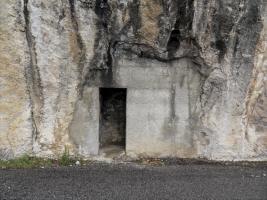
{"x": 112, "y": 130}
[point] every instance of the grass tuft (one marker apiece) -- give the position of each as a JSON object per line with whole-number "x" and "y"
{"x": 65, "y": 159}
{"x": 25, "y": 162}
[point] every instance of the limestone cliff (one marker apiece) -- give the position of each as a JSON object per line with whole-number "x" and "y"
{"x": 211, "y": 56}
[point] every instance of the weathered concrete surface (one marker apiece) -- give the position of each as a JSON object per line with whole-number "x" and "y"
{"x": 148, "y": 123}
{"x": 160, "y": 107}
{"x": 121, "y": 182}
{"x": 85, "y": 131}
{"x": 207, "y": 57}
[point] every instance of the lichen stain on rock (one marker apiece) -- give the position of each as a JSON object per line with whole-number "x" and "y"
{"x": 255, "y": 117}
{"x": 149, "y": 14}
{"x": 74, "y": 50}
{"x": 15, "y": 122}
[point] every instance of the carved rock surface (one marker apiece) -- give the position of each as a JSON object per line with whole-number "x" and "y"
{"x": 195, "y": 73}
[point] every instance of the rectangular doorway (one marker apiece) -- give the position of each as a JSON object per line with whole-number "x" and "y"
{"x": 112, "y": 130}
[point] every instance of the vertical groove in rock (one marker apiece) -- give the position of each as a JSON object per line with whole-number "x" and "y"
{"x": 134, "y": 15}
{"x": 81, "y": 46}
{"x": 109, "y": 63}
{"x": 100, "y": 67}
{"x": 33, "y": 76}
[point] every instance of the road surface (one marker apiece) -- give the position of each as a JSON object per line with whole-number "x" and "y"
{"x": 132, "y": 181}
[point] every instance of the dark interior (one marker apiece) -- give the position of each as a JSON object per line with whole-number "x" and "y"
{"x": 112, "y": 116}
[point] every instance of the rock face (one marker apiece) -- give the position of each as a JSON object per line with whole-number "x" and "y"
{"x": 195, "y": 73}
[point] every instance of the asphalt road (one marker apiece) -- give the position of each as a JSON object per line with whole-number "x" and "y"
{"x": 102, "y": 181}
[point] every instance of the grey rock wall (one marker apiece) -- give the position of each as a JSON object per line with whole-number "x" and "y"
{"x": 206, "y": 59}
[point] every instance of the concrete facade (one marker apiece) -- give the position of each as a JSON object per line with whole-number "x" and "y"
{"x": 161, "y": 103}
{"x": 84, "y": 128}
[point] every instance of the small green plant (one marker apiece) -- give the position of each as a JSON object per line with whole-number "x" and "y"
{"x": 65, "y": 159}
{"x": 25, "y": 162}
